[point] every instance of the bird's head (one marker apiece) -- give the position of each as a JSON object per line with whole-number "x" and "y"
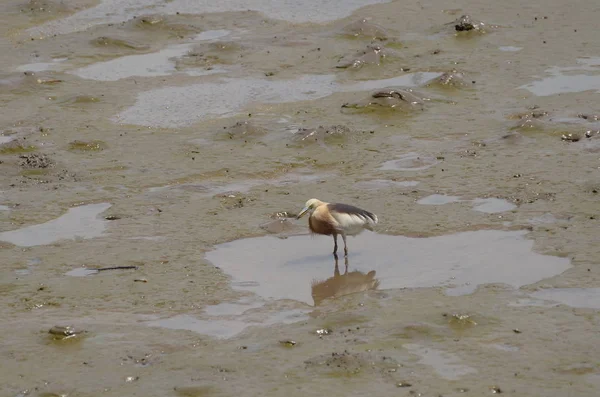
{"x": 309, "y": 207}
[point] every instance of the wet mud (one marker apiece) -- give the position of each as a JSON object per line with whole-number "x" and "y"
{"x": 154, "y": 156}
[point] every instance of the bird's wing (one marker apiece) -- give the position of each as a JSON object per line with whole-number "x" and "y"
{"x": 350, "y": 216}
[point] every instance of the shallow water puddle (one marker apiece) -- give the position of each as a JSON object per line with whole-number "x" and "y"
{"x": 41, "y": 66}
{"x": 6, "y": 139}
{"x": 192, "y": 103}
{"x": 561, "y": 81}
{"x": 79, "y": 222}
{"x": 487, "y": 205}
{"x": 588, "y": 298}
{"x": 4, "y": 208}
{"x": 438, "y": 199}
{"x": 159, "y": 63}
{"x": 445, "y": 364}
{"x": 509, "y": 48}
{"x": 409, "y": 162}
{"x": 302, "y": 267}
{"x": 115, "y": 11}
{"x": 383, "y": 184}
{"x": 223, "y": 328}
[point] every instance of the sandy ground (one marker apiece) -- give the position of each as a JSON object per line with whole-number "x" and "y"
{"x": 176, "y": 139}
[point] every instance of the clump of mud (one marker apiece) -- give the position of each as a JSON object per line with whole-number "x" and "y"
{"x": 466, "y": 26}
{"x": 373, "y": 54}
{"x": 451, "y": 79}
{"x": 404, "y": 99}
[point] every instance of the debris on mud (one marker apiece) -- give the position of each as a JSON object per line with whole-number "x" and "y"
{"x": 35, "y": 160}
{"x": 323, "y": 332}
{"x": 392, "y": 98}
{"x": 365, "y": 29}
{"x": 571, "y": 137}
{"x": 460, "y": 321}
{"x": 465, "y": 23}
{"x": 287, "y": 343}
{"x": 283, "y": 215}
{"x": 60, "y": 332}
{"x": 373, "y": 54}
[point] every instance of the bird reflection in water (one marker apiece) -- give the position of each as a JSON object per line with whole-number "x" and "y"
{"x": 343, "y": 284}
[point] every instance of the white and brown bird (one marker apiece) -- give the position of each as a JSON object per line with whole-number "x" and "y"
{"x": 331, "y": 219}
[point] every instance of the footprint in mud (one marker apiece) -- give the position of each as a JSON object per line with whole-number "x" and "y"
{"x": 373, "y": 54}
{"x": 397, "y": 98}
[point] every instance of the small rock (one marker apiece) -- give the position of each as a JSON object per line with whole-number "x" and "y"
{"x": 571, "y": 137}
{"x": 287, "y": 343}
{"x": 60, "y": 332}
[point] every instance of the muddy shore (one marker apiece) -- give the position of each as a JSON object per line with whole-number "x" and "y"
{"x": 169, "y": 144}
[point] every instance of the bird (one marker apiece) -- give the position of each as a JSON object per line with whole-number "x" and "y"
{"x": 331, "y": 219}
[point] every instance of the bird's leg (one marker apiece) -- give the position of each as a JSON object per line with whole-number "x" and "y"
{"x": 335, "y": 244}
{"x": 345, "y": 246}
{"x": 336, "y": 270}
{"x": 346, "y": 263}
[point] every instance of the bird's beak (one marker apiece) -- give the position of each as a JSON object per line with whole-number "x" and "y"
{"x": 304, "y": 211}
